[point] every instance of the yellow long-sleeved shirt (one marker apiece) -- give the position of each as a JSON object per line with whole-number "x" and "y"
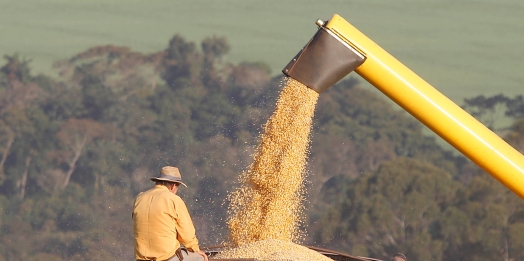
{"x": 161, "y": 223}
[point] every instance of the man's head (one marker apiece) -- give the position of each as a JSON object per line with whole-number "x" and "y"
{"x": 169, "y": 177}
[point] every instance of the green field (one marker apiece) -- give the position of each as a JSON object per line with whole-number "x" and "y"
{"x": 463, "y": 48}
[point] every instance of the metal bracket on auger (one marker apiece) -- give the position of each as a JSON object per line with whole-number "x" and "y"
{"x": 324, "y": 61}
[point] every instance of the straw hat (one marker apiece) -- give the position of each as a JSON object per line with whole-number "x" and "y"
{"x": 399, "y": 257}
{"x": 171, "y": 174}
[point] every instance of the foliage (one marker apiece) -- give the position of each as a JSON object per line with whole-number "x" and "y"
{"x": 414, "y": 207}
{"x": 394, "y": 209}
{"x": 490, "y": 109}
{"x": 76, "y": 149}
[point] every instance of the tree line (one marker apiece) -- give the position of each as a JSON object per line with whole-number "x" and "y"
{"x": 75, "y": 150}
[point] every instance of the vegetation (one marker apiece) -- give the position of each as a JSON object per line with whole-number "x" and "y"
{"x": 76, "y": 149}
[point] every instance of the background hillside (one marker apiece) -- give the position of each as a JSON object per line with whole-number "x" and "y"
{"x": 463, "y": 48}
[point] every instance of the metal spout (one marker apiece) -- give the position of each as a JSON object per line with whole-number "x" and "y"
{"x": 325, "y": 60}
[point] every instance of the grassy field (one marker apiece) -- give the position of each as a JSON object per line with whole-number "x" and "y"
{"x": 463, "y": 48}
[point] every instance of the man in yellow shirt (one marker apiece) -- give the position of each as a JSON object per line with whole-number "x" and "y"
{"x": 162, "y": 222}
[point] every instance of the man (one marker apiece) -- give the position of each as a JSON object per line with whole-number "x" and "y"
{"x": 162, "y": 222}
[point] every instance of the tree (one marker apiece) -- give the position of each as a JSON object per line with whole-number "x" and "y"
{"x": 248, "y": 81}
{"x": 7, "y": 136}
{"x": 515, "y": 107}
{"x": 214, "y": 49}
{"x": 483, "y": 224}
{"x": 179, "y": 62}
{"x": 75, "y": 135}
{"x": 515, "y": 136}
{"x": 16, "y": 69}
{"x": 96, "y": 97}
{"x": 487, "y": 110}
{"x": 356, "y": 131}
{"x": 391, "y": 210}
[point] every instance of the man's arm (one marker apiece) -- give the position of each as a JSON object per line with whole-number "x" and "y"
{"x": 184, "y": 227}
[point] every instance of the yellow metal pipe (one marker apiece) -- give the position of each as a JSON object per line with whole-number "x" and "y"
{"x": 433, "y": 109}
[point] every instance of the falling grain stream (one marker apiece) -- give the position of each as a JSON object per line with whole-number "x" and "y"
{"x": 266, "y": 210}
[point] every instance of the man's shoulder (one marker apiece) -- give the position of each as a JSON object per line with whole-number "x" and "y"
{"x": 154, "y": 192}
{"x": 177, "y": 197}
{"x": 144, "y": 193}
{"x": 164, "y": 193}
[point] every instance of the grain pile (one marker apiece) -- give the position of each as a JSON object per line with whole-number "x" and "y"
{"x": 273, "y": 250}
{"x": 267, "y": 205}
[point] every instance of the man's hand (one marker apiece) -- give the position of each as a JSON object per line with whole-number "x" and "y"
{"x": 202, "y": 253}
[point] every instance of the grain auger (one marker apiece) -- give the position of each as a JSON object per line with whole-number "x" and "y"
{"x": 338, "y": 48}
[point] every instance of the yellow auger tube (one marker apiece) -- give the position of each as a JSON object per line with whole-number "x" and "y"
{"x": 433, "y": 109}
